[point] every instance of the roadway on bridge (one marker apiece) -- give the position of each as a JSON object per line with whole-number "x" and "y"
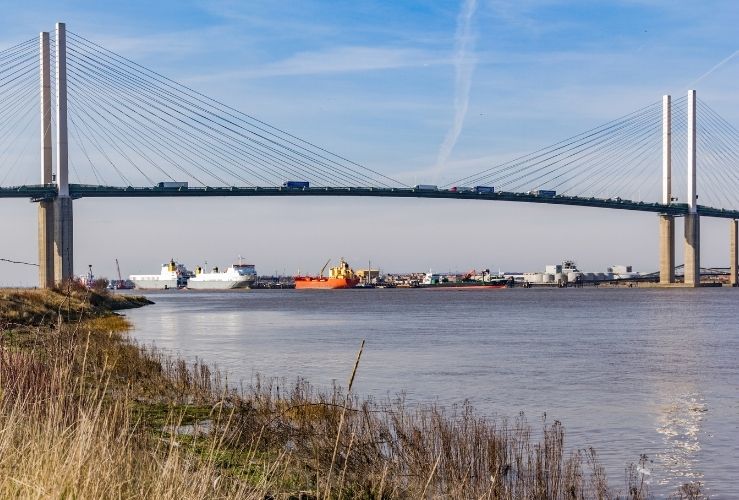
{"x": 41, "y": 192}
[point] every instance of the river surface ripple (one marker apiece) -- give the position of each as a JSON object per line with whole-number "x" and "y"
{"x": 627, "y": 371}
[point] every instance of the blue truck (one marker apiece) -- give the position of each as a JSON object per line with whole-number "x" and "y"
{"x": 484, "y": 189}
{"x": 296, "y": 184}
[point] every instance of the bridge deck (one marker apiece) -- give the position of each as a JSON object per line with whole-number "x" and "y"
{"x": 41, "y": 192}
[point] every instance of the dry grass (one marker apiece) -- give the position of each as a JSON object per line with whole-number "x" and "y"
{"x": 25, "y": 307}
{"x": 86, "y": 413}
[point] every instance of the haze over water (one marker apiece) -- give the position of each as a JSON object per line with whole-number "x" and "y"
{"x": 627, "y": 371}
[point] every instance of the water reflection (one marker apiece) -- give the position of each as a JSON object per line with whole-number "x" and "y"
{"x": 647, "y": 365}
{"x": 680, "y": 425}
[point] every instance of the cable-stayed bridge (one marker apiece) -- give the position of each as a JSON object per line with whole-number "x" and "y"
{"x": 122, "y": 130}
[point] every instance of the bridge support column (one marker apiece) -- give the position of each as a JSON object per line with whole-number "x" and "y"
{"x": 692, "y": 268}
{"x": 45, "y": 208}
{"x": 63, "y": 254}
{"x": 63, "y": 242}
{"x": 666, "y": 249}
{"x": 733, "y": 253}
{"x": 46, "y": 244}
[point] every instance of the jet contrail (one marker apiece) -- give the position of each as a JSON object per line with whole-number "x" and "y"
{"x": 707, "y": 73}
{"x": 464, "y": 66}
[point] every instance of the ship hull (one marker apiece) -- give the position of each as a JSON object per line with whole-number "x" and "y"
{"x": 194, "y": 284}
{"x": 310, "y": 282}
{"x": 155, "y": 284}
{"x": 469, "y": 287}
{"x": 494, "y": 285}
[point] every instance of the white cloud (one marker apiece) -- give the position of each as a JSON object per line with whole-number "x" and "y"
{"x": 351, "y": 59}
{"x": 464, "y": 66}
{"x": 714, "y": 68}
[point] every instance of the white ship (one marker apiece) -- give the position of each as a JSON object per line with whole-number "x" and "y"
{"x": 172, "y": 276}
{"x": 237, "y": 276}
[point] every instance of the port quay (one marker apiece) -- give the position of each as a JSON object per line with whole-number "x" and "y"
{"x": 351, "y": 380}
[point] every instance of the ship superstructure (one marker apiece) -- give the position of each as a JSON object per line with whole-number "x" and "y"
{"x": 237, "y": 276}
{"x": 172, "y": 275}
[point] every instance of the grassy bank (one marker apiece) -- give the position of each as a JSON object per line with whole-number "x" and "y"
{"x": 86, "y": 413}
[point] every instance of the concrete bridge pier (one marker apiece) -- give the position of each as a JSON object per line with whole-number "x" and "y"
{"x": 692, "y": 270}
{"x": 733, "y": 253}
{"x": 46, "y": 244}
{"x": 63, "y": 250}
{"x": 666, "y": 249}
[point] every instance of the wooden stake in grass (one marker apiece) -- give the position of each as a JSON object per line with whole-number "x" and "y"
{"x": 431, "y": 476}
{"x": 341, "y": 420}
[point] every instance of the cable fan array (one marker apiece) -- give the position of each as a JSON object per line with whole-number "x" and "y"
{"x": 623, "y": 159}
{"x": 19, "y": 88}
{"x": 616, "y": 159}
{"x": 718, "y": 159}
{"x": 134, "y": 126}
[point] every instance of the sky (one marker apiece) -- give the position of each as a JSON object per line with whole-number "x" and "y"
{"x": 425, "y": 92}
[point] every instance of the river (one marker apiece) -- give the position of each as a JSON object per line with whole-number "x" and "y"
{"x": 627, "y": 371}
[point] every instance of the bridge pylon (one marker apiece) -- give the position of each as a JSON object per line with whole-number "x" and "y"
{"x": 666, "y": 221}
{"x": 45, "y": 208}
{"x": 692, "y": 276}
{"x": 63, "y": 249}
{"x": 54, "y": 216}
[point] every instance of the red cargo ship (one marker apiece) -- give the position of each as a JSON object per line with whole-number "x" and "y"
{"x": 341, "y": 276}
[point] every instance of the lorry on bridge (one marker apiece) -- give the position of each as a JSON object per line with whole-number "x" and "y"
{"x": 172, "y": 184}
{"x": 296, "y": 184}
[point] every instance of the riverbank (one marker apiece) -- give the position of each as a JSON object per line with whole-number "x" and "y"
{"x": 86, "y": 412}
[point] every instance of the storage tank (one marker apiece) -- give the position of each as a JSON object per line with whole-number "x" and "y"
{"x": 532, "y": 277}
{"x": 561, "y": 278}
{"x": 547, "y": 278}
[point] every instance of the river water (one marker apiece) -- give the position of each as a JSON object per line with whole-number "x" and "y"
{"x": 627, "y": 371}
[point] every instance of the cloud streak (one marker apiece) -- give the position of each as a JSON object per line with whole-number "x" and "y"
{"x": 464, "y": 67}
{"x": 716, "y": 67}
{"x": 350, "y": 59}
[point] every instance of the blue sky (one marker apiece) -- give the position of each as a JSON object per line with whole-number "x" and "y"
{"x": 379, "y": 82}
